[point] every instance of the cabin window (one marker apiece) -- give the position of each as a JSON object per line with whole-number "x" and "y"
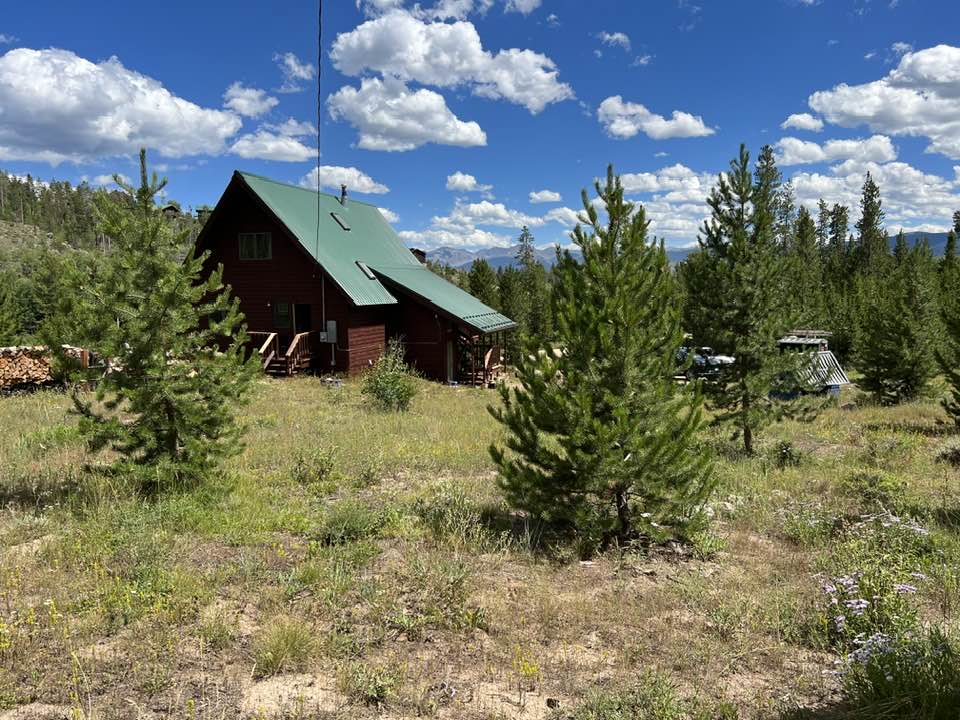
{"x": 340, "y": 221}
{"x": 281, "y": 315}
{"x": 255, "y": 246}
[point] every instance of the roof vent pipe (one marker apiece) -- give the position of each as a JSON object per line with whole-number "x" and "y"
{"x": 343, "y": 195}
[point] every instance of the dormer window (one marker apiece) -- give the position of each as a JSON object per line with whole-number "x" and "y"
{"x": 340, "y": 221}
{"x": 255, "y": 246}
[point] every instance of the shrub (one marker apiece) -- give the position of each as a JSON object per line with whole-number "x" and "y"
{"x": 653, "y": 698}
{"x": 806, "y": 525}
{"x": 786, "y": 455}
{"x": 949, "y": 454}
{"x": 390, "y": 383}
{"x": 369, "y": 685}
{"x": 370, "y": 473}
{"x": 315, "y": 469}
{"x": 452, "y": 517}
{"x": 876, "y": 575}
{"x": 285, "y": 645}
{"x": 347, "y": 521}
{"x": 915, "y": 677}
{"x": 875, "y": 488}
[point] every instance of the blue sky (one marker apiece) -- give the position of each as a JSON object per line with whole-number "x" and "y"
{"x": 467, "y": 118}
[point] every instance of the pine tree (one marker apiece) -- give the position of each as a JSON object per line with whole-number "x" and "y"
{"x": 837, "y": 244}
{"x": 174, "y": 340}
{"x": 950, "y": 262}
{"x": 841, "y": 306}
{"x": 599, "y": 436}
{"x": 948, "y": 354}
{"x": 950, "y": 249}
{"x": 900, "y": 248}
{"x": 743, "y": 308}
{"x": 482, "y": 282}
{"x": 536, "y": 288}
{"x": 823, "y": 226}
{"x": 806, "y": 272}
{"x": 9, "y": 313}
{"x": 897, "y": 344}
{"x": 513, "y": 304}
{"x": 872, "y": 249}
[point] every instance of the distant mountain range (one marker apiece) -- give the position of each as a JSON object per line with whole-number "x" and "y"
{"x": 503, "y": 256}
{"x": 938, "y": 241}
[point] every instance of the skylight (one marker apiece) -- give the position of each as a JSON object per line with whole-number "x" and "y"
{"x": 366, "y": 270}
{"x": 340, "y": 221}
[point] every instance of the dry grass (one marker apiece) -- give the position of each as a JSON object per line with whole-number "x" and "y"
{"x": 397, "y": 584}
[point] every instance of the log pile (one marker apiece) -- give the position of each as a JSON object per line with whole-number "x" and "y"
{"x": 30, "y": 365}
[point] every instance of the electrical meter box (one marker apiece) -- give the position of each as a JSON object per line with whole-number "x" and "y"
{"x": 330, "y": 334}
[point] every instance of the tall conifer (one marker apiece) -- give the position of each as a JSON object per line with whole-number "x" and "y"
{"x": 174, "y": 341}
{"x": 482, "y": 282}
{"x": 948, "y": 354}
{"x": 599, "y": 437}
{"x": 898, "y": 338}
{"x": 872, "y": 249}
{"x": 743, "y": 273}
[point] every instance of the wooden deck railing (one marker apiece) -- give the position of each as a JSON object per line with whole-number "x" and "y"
{"x": 298, "y": 353}
{"x": 269, "y": 347}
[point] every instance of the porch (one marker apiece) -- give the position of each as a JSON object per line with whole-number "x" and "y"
{"x": 284, "y": 359}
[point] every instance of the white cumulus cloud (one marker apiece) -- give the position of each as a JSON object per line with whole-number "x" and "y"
{"x": 620, "y": 39}
{"x": 389, "y": 215}
{"x": 803, "y": 121}
{"x": 623, "y": 120}
{"x": 912, "y": 199}
{"x": 792, "y": 151}
{"x": 524, "y": 7}
{"x": 490, "y": 213}
{"x": 458, "y": 237}
{"x": 108, "y": 180}
{"x": 333, "y": 176}
{"x": 563, "y": 215}
{"x": 57, "y": 106}
{"x": 464, "y": 182}
{"x": 448, "y": 55}
{"x": 248, "y": 101}
{"x": 266, "y": 145}
{"x": 544, "y": 196}
{"x": 918, "y": 98}
{"x": 390, "y": 116}
{"x": 292, "y": 128}
{"x": 294, "y": 72}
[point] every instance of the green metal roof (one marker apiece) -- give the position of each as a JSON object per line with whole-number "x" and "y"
{"x": 370, "y": 241}
{"x": 445, "y": 295}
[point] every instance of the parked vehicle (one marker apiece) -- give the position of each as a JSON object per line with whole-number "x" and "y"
{"x": 705, "y": 363}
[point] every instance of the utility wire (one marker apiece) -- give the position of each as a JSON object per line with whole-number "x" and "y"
{"x": 319, "y": 109}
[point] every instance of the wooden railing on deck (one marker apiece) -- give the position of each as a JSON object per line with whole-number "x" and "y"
{"x": 269, "y": 348}
{"x": 298, "y": 352}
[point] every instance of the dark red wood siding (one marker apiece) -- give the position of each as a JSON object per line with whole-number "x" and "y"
{"x": 293, "y": 276}
{"x": 424, "y": 334}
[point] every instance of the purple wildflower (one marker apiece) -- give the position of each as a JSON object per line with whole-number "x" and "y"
{"x": 857, "y": 606}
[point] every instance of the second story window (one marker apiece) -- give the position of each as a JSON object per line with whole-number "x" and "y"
{"x": 255, "y": 246}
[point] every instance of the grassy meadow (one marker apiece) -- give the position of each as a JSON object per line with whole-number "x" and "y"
{"x": 353, "y": 564}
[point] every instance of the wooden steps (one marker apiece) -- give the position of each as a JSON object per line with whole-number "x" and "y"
{"x": 294, "y": 359}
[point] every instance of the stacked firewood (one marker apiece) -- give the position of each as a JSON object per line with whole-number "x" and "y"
{"x": 29, "y": 365}
{"x": 24, "y": 366}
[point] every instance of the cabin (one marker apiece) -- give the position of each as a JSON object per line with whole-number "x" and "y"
{"x": 824, "y": 374}
{"x": 325, "y": 283}
{"x": 171, "y": 211}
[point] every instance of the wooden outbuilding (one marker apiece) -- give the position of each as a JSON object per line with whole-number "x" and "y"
{"x": 325, "y": 282}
